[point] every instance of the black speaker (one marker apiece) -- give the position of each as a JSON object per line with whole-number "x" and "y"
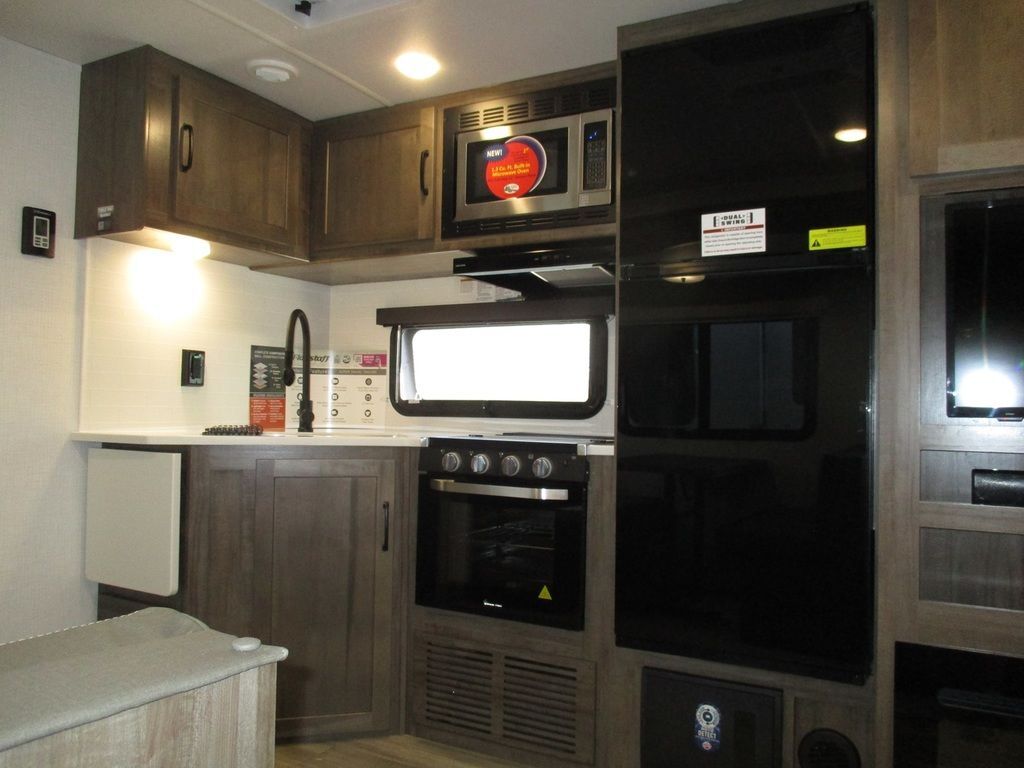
{"x": 825, "y": 748}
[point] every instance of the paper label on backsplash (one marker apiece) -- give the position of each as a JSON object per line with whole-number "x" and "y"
{"x": 348, "y": 389}
{"x": 266, "y": 388}
{"x": 729, "y": 232}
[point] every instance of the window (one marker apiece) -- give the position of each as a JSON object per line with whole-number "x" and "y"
{"x": 511, "y": 368}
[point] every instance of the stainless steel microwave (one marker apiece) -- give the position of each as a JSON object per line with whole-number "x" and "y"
{"x": 533, "y": 162}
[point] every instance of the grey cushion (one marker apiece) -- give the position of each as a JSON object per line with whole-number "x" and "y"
{"x": 76, "y": 676}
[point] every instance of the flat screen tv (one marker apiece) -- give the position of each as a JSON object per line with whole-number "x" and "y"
{"x": 984, "y": 249}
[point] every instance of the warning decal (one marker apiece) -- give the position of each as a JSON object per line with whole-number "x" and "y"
{"x": 544, "y": 594}
{"x": 837, "y": 237}
{"x": 722, "y": 234}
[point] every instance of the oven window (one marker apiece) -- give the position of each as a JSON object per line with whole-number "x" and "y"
{"x": 518, "y": 370}
{"x": 508, "y": 559}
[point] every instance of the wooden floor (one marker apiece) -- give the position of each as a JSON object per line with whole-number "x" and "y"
{"x": 383, "y": 752}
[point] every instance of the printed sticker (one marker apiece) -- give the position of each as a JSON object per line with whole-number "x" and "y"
{"x": 707, "y": 729}
{"x": 515, "y": 168}
{"x": 730, "y": 232}
{"x": 545, "y": 593}
{"x": 837, "y": 237}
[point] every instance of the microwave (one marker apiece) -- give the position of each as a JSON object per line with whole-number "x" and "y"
{"x": 532, "y": 162}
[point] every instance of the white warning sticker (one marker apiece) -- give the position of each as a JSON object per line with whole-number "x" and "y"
{"x": 730, "y": 232}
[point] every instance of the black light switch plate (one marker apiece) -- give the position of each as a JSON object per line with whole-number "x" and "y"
{"x": 193, "y": 367}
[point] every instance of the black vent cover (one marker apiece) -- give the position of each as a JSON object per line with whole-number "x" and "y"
{"x": 536, "y": 106}
{"x": 825, "y": 748}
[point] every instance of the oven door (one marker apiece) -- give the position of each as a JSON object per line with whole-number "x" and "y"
{"x": 511, "y": 551}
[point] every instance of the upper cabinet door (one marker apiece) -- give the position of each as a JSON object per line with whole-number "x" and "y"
{"x": 966, "y": 79}
{"x": 373, "y": 179}
{"x": 239, "y": 166}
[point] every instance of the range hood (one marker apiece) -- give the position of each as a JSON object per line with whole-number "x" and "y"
{"x": 586, "y": 266}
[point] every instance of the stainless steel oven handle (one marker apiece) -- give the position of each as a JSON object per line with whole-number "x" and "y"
{"x": 504, "y": 491}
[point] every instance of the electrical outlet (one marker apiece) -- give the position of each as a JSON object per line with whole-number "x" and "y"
{"x": 193, "y": 367}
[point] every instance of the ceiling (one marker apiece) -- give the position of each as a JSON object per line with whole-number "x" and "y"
{"x": 345, "y": 65}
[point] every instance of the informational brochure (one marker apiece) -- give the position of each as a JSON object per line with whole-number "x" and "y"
{"x": 348, "y": 389}
{"x": 266, "y": 388}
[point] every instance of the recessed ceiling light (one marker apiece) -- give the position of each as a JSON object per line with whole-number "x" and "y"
{"x": 272, "y": 70}
{"x": 418, "y": 66}
{"x": 850, "y": 135}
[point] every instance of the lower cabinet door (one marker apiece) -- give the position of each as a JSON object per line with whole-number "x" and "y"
{"x": 324, "y": 588}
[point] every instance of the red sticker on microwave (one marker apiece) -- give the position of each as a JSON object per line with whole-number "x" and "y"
{"x": 516, "y": 167}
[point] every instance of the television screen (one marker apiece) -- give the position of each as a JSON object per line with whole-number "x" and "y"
{"x": 985, "y": 307}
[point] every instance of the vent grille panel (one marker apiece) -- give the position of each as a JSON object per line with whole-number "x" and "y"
{"x": 539, "y": 704}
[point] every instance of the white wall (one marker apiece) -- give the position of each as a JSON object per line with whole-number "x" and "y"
{"x": 42, "y": 473}
{"x": 144, "y": 306}
{"x": 354, "y": 324}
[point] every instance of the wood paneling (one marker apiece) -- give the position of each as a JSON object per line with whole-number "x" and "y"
{"x": 228, "y": 724}
{"x": 244, "y": 176}
{"x": 965, "y": 83}
{"x": 325, "y": 590}
{"x": 247, "y": 190}
{"x": 373, "y": 180}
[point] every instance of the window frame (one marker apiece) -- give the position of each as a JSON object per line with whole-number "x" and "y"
{"x": 401, "y": 355}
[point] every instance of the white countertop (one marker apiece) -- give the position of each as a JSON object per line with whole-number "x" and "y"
{"x": 366, "y": 438}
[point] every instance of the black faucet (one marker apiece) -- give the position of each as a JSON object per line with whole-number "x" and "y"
{"x": 305, "y": 404}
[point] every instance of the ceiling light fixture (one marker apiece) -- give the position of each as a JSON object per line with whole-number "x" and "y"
{"x": 272, "y": 70}
{"x": 851, "y": 135}
{"x": 418, "y": 66}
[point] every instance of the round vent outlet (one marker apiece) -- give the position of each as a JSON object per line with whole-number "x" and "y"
{"x": 825, "y": 748}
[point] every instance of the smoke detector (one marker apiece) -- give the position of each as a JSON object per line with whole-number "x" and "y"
{"x": 272, "y": 70}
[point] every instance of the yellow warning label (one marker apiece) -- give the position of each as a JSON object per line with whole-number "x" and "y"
{"x": 544, "y": 594}
{"x": 837, "y": 237}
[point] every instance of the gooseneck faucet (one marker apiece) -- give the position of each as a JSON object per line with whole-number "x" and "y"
{"x": 305, "y": 404}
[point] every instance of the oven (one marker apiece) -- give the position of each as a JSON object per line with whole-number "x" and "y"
{"x": 501, "y": 529}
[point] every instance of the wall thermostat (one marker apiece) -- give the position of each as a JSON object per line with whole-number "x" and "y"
{"x": 38, "y": 229}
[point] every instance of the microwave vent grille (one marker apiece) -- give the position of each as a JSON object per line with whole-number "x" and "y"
{"x": 517, "y": 111}
{"x": 571, "y": 102}
{"x": 535, "y": 703}
{"x": 537, "y": 106}
{"x": 600, "y": 98}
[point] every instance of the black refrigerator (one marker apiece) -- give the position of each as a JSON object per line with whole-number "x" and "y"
{"x": 745, "y": 337}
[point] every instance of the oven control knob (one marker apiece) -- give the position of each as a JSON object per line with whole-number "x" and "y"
{"x": 542, "y": 467}
{"x": 510, "y": 466}
{"x": 480, "y": 463}
{"x": 451, "y": 461}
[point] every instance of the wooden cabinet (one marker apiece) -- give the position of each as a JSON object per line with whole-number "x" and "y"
{"x": 302, "y": 548}
{"x": 324, "y": 590}
{"x": 966, "y": 110}
{"x": 373, "y": 183}
{"x": 167, "y": 148}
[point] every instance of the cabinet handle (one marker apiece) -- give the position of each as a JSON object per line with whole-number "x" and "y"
{"x": 187, "y": 163}
{"x": 423, "y": 172}
{"x": 387, "y": 525}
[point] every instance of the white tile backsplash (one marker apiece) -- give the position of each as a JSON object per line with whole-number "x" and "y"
{"x": 132, "y": 362}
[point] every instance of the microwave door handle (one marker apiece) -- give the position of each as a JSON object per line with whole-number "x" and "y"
{"x": 502, "y": 491}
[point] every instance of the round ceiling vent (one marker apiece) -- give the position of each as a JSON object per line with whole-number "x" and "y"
{"x": 825, "y": 748}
